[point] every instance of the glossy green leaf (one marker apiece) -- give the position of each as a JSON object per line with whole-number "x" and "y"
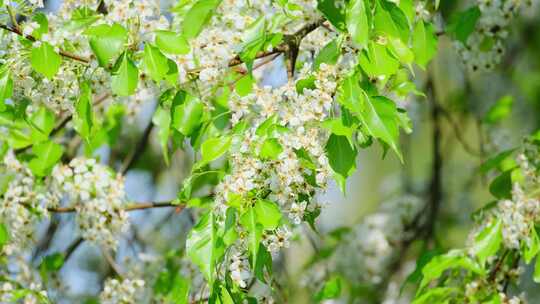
{"x": 453, "y": 259}
{"x": 83, "y": 118}
{"x": 536, "y": 275}
{"x": 47, "y": 154}
{"x": 42, "y": 122}
{"x": 107, "y": 42}
{"x": 501, "y": 186}
{"x": 329, "y": 54}
{"x": 187, "y": 116}
{"x": 358, "y": 22}
{"x": 424, "y": 43}
{"x": 462, "y": 24}
{"x": 162, "y": 119}
{"x": 488, "y": 242}
{"x": 400, "y": 50}
{"x": 4, "y": 235}
{"x": 250, "y": 222}
{"x": 155, "y": 63}
{"x": 268, "y": 214}
{"x": 171, "y": 43}
{"x": 197, "y": 16}
{"x": 126, "y": 77}
{"x": 389, "y": 20}
{"x": 270, "y": 149}
{"x": 435, "y": 295}
{"x": 204, "y": 247}
{"x": 341, "y": 156}
{"x": 531, "y": 246}
{"x": 45, "y": 59}
{"x": 377, "y": 61}
{"x": 213, "y": 148}
{"x": 333, "y": 13}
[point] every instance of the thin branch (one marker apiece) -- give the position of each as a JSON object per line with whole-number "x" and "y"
{"x": 136, "y": 153}
{"x": 131, "y": 207}
{"x": 458, "y": 132}
{"x": 32, "y": 38}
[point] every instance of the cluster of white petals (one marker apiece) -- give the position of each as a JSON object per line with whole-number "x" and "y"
{"x": 484, "y": 47}
{"x": 98, "y": 196}
{"x": 121, "y": 291}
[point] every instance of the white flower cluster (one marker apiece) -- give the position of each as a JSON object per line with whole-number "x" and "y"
{"x": 484, "y": 47}
{"x": 369, "y": 250}
{"x": 98, "y": 197}
{"x": 20, "y": 205}
{"x": 124, "y": 291}
{"x": 22, "y": 287}
{"x": 517, "y": 216}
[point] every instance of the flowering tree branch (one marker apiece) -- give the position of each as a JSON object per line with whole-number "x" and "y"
{"x": 131, "y": 207}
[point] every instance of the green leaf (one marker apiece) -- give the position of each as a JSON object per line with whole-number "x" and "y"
{"x": 244, "y": 85}
{"x": 400, "y": 50}
{"x": 488, "y": 242}
{"x": 333, "y": 13}
{"x": 4, "y": 235}
{"x": 107, "y": 42}
{"x": 376, "y": 61}
{"x": 51, "y": 264}
{"x": 532, "y": 246}
{"x": 536, "y": 275}
{"x": 500, "y": 110}
{"x": 250, "y": 222}
{"x": 162, "y": 119}
{"x": 155, "y": 63}
{"x": 337, "y": 127}
{"x": 389, "y": 19}
{"x": 330, "y": 290}
{"x": 47, "y": 154}
{"x": 213, "y": 148}
{"x": 501, "y": 186}
{"x": 341, "y": 156}
{"x": 45, "y": 60}
{"x": 380, "y": 118}
{"x": 83, "y": 118}
{"x": 125, "y": 78}
{"x": 187, "y": 116}
{"x": 172, "y": 43}
{"x": 270, "y": 149}
{"x": 496, "y": 161}
{"x": 358, "y": 22}
{"x": 435, "y": 295}
{"x": 264, "y": 261}
{"x": 329, "y": 54}
{"x": 453, "y": 259}
{"x": 204, "y": 247}
{"x": 42, "y": 122}
{"x": 253, "y": 41}
{"x": 6, "y": 87}
{"x": 268, "y": 214}
{"x": 424, "y": 43}
{"x": 462, "y": 24}
{"x": 416, "y": 276}
{"x": 197, "y": 16}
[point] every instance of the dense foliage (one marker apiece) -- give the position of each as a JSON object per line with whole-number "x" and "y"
{"x": 78, "y": 76}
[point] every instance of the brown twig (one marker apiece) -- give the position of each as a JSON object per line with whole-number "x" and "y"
{"x": 132, "y": 207}
{"x": 32, "y": 38}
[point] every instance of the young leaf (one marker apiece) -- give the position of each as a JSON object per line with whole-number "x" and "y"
{"x": 424, "y": 43}
{"x": 254, "y": 228}
{"x": 357, "y": 22}
{"x": 204, "y": 246}
{"x": 330, "y": 290}
{"x": 463, "y": 23}
{"x": 334, "y": 14}
{"x": 532, "y": 246}
{"x": 172, "y": 43}
{"x": 268, "y": 214}
{"x": 213, "y": 148}
{"x": 45, "y": 60}
{"x": 4, "y": 235}
{"x": 389, "y": 19}
{"x": 155, "y": 63}
{"x": 328, "y": 54}
{"x": 187, "y": 115}
{"x": 42, "y": 122}
{"x": 47, "y": 154}
{"x": 488, "y": 242}
{"x": 126, "y": 77}
{"x": 162, "y": 119}
{"x": 341, "y": 156}
{"x": 107, "y": 42}
{"x": 83, "y": 118}
{"x": 198, "y": 15}
{"x": 270, "y": 149}
{"x": 377, "y": 61}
